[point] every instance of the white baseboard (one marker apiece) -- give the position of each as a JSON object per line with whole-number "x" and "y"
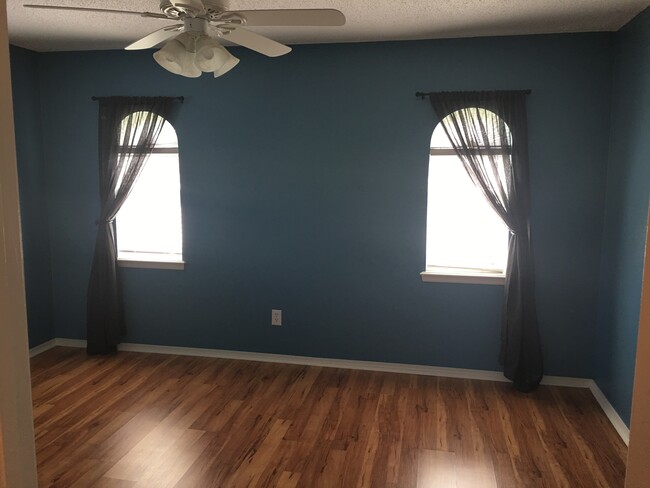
{"x": 609, "y": 410}
{"x": 322, "y": 362}
{"x": 35, "y": 351}
{"x": 472, "y": 374}
{"x": 61, "y": 341}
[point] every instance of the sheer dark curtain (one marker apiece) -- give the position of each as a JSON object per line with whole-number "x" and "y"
{"x": 128, "y": 130}
{"x": 493, "y": 146}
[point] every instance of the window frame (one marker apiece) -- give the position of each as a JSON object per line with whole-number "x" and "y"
{"x": 440, "y": 274}
{"x": 143, "y": 259}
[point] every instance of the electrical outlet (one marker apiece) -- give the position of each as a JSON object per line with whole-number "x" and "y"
{"x": 276, "y": 317}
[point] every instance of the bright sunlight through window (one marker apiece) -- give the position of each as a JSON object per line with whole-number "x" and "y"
{"x": 464, "y": 235}
{"x": 149, "y": 226}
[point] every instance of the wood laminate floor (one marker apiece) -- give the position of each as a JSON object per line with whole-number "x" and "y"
{"x": 150, "y": 420}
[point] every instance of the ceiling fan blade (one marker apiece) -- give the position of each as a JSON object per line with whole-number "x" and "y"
{"x": 261, "y": 44}
{"x": 101, "y": 10}
{"x": 155, "y": 38}
{"x": 308, "y": 17}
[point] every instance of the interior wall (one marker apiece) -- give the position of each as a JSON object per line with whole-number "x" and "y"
{"x": 33, "y": 202}
{"x": 624, "y": 231}
{"x": 17, "y": 454}
{"x": 304, "y": 185}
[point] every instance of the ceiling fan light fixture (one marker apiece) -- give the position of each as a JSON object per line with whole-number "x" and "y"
{"x": 194, "y": 51}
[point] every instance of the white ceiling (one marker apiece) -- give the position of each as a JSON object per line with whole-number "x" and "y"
{"x": 367, "y": 20}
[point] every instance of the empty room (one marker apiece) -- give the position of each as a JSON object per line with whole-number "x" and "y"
{"x": 321, "y": 243}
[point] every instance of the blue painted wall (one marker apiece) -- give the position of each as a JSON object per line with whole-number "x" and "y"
{"x": 624, "y": 230}
{"x": 304, "y": 188}
{"x": 32, "y": 187}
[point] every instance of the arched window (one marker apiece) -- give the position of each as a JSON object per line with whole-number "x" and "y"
{"x": 149, "y": 224}
{"x": 465, "y": 236}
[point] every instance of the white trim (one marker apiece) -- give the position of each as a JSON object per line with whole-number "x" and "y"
{"x": 321, "y": 362}
{"x": 132, "y": 263}
{"x": 472, "y": 279}
{"x": 471, "y": 374}
{"x": 61, "y": 341}
{"x": 36, "y": 350}
{"x": 567, "y": 381}
{"x": 609, "y": 410}
{"x": 419, "y": 369}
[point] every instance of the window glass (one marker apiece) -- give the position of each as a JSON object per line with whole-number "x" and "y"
{"x": 464, "y": 233}
{"x": 149, "y": 224}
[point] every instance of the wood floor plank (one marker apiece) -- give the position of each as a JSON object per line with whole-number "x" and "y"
{"x": 288, "y": 480}
{"x": 249, "y": 471}
{"x": 436, "y": 469}
{"x": 94, "y": 476}
{"x": 365, "y": 478}
{"x": 170, "y": 466}
{"x": 135, "y": 420}
{"x": 112, "y": 483}
{"x": 325, "y": 468}
{"x": 389, "y": 428}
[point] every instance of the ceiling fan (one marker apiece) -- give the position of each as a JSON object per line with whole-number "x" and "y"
{"x": 192, "y": 47}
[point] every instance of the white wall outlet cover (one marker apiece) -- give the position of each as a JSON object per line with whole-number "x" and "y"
{"x": 276, "y": 317}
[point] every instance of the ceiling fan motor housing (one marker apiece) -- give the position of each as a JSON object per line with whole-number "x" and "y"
{"x": 184, "y": 9}
{"x": 195, "y": 25}
{"x": 180, "y": 8}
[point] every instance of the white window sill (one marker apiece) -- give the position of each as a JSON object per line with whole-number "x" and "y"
{"x": 468, "y": 277}
{"x": 150, "y": 261}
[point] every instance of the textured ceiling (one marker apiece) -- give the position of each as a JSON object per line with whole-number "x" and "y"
{"x": 367, "y": 20}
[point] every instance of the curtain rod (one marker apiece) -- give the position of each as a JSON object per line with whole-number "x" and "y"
{"x": 180, "y": 99}
{"x": 423, "y": 95}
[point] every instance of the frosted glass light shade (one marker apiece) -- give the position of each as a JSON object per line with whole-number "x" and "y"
{"x": 210, "y": 55}
{"x": 230, "y": 63}
{"x": 170, "y": 56}
{"x": 190, "y": 69}
{"x": 175, "y": 58}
